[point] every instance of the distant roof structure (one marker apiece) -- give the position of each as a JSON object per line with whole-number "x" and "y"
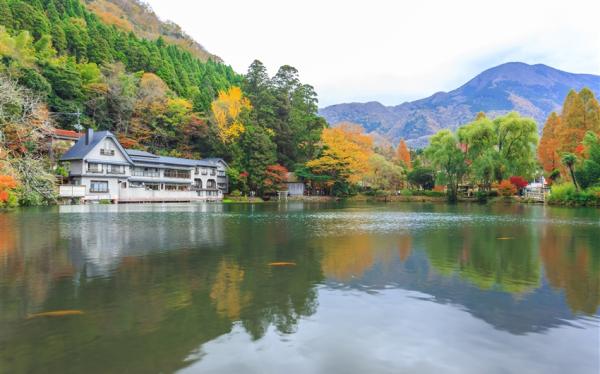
{"x": 66, "y": 134}
{"x": 291, "y": 177}
{"x": 138, "y": 153}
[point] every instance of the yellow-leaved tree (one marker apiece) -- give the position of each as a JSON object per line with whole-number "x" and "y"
{"x": 226, "y": 111}
{"x": 345, "y": 155}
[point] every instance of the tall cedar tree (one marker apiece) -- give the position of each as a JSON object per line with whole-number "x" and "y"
{"x": 549, "y": 144}
{"x": 403, "y": 154}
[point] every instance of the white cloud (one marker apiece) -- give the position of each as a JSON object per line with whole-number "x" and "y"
{"x": 391, "y": 51}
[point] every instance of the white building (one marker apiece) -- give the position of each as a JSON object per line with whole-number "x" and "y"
{"x": 101, "y": 169}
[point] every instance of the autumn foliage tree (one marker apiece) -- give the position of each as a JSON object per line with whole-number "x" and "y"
{"x": 506, "y": 188}
{"x": 275, "y": 177}
{"x": 345, "y": 155}
{"x": 547, "y": 151}
{"x": 403, "y": 154}
{"x": 7, "y": 186}
{"x": 580, "y": 114}
{"x": 564, "y": 135}
{"x": 226, "y": 111}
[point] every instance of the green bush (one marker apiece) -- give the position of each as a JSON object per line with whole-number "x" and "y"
{"x": 406, "y": 192}
{"x": 433, "y": 193}
{"x": 565, "y": 193}
{"x": 562, "y": 192}
{"x": 11, "y": 202}
{"x": 482, "y": 196}
{"x": 236, "y": 193}
{"x": 105, "y": 202}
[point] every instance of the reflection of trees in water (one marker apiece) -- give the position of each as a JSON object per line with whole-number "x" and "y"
{"x": 225, "y": 291}
{"x": 347, "y": 257}
{"x": 476, "y": 254}
{"x": 147, "y": 313}
{"x": 572, "y": 262}
{"x": 350, "y": 256}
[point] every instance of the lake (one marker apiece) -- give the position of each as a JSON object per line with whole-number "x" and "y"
{"x": 300, "y": 288}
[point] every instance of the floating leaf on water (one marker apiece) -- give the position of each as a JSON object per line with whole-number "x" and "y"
{"x": 56, "y": 313}
{"x": 282, "y": 264}
{"x": 505, "y": 238}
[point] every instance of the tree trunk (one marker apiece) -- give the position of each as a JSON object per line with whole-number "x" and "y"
{"x": 573, "y": 178}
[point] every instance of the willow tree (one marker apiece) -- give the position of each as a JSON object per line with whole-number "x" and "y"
{"x": 445, "y": 153}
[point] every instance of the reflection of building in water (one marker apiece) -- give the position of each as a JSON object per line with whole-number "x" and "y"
{"x": 29, "y": 261}
{"x": 100, "y": 236}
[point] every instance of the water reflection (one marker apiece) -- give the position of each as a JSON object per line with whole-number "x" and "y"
{"x": 158, "y": 282}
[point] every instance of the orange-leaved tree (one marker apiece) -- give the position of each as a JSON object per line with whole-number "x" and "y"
{"x": 345, "y": 154}
{"x": 403, "y": 154}
{"x": 7, "y": 186}
{"x": 506, "y": 188}
{"x": 275, "y": 177}
{"x": 580, "y": 114}
{"x": 549, "y": 144}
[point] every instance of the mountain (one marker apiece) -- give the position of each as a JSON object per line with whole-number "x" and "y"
{"x": 532, "y": 90}
{"x": 139, "y": 18}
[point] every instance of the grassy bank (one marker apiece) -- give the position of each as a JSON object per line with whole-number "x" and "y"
{"x": 566, "y": 194}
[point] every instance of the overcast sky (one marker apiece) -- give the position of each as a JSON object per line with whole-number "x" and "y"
{"x": 391, "y": 51}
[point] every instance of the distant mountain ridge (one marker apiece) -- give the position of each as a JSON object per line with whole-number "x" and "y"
{"x": 532, "y": 90}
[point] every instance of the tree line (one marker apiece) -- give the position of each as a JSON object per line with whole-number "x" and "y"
{"x": 60, "y": 65}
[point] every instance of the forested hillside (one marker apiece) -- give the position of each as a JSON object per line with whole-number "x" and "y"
{"x": 62, "y": 51}
{"x": 136, "y": 16}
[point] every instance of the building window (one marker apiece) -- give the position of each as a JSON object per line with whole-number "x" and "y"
{"x": 115, "y": 169}
{"x": 94, "y": 168}
{"x": 176, "y": 187}
{"x": 176, "y": 173}
{"x": 213, "y": 172}
{"x": 145, "y": 172}
{"x": 152, "y": 186}
{"x": 198, "y": 184}
{"x": 211, "y": 183}
{"x": 99, "y": 186}
{"x": 107, "y": 152}
{"x": 107, "y": 148}
{"x": 136, "y": 184}
{"x": 204, "y": 171}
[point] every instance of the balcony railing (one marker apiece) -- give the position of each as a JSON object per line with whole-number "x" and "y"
{"x": 116, "y": 172}
{"x": 174, "y": 173}
{"x": 145, "y": 173}
{"x": 95, "y": 170}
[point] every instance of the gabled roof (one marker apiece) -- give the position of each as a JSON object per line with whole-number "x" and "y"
{"x": 81, "y": 149}
{"x": 215, "y": 160}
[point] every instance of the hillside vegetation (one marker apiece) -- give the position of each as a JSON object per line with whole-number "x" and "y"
{"x": 62, "y": 51}
{"x": 138, "y": 17}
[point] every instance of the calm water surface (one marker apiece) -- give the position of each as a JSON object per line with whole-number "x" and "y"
{"x": 375, "y": 289}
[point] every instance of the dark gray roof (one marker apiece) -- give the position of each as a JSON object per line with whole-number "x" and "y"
{"x": 136, "y": 153}
{"x": 80, "y": 149}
